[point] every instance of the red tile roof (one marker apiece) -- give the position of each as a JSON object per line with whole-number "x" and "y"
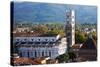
{"x": 26, "y": 34}
{"x": 32, "y": 34}
{"x": 75, "y": 46}
{"x": 19, "y": 61}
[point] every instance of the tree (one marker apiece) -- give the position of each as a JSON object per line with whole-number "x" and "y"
{"x": 56, "y": 31}
{"x": 63, "y": 58}
{"x": 94, "y": 35}
{"x": 41, "y": 29}
{"x": 79, "y": 37}
{"x": 72, "y": 55}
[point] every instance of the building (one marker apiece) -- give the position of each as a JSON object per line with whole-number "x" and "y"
{"x": 30, "y": 61}
{"x": 70, "y": 28}
{"x": 40, "y": 45}
{"x": 33, "y": 45}
{"x": 21, "y": 29}
{"x": 86, "y": 51}
{"x": 22, "y": 61}
{"x": 88, "y": 30}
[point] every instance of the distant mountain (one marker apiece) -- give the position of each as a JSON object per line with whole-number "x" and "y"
{"x": 49, "y": 12}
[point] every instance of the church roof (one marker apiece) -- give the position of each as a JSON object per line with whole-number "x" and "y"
{"x": 90, "y": 43}
{"x": 33, "y": 34}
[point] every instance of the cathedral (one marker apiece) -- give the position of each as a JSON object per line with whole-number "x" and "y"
{"x": 33, "y": 45}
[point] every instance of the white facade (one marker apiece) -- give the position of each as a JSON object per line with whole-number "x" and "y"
{"x": 40, "y": 46}
{"x": 22, "y": 29}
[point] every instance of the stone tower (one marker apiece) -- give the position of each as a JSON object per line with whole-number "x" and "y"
{"x": 70, "y": 28}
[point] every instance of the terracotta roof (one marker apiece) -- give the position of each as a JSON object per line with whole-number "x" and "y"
{"x": 52, "y": 61}
{"x": 76, "y": 46}
{"x": 34, "y": 34}
{"x": 19, "y": 61}
{"x": 41, "y": 59}
{"x": 26, "y": 34}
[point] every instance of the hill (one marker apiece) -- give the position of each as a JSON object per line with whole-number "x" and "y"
{"x": 49, "y": 12}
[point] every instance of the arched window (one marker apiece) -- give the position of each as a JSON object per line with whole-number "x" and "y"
{"x": 38, "y": 39}
{"x": 28, "y": 54}
{"x": 20, "y": 54}
{"x": 50, "y": 53}
{"x": 46, "y": 39}
{"x": 32, "y": 39}
{"x": 17, "y": 39}
{"x": 42, "y": 53}
{"x": 25, "y": 39}
{"x": 35, "y": 54}
{"x": 52, "y": 39}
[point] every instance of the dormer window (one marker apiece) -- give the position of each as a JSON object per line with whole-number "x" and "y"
{"x": 52, "y": 39}
{"x": 46, "y": 39}
{"x": 25, "y": 39}
{"x": 17, "y": 39}
{"x": 39, "y": 39}
{"x": 32, "y": 39}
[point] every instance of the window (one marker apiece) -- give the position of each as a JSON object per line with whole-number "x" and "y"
{"x": 49, "y": 53}
{"x": 20, "y": 54}
{"x": 32, "y": 39}
{"x": 28, "y": 54}
{"x": 68, "y": 34}
{"x": 17, "y": 39}
{"x": 52, "y": 39}
{"x": 68, "y": 27}
{"x": 39, "y": 39}
{"x": 35, "y": 54}
{"x": 68, "y": 16}
{"x": 42, "y": 53}
{"x": 46, "y": 39}
{"x": 68, "y": 39}
{"x": 68, "y": 22}
{"x": 25, "y": 39}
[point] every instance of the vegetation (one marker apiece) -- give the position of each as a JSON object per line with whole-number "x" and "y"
{"x": 56, "y": 31}
{"x": 72, "y": 55}
{"x": 63, "y": 58}
{"x": 41, "y": 29}
{"x": 85, "y": 25}
{"x": 58, "y": 28}
{"x": 80, "y": 37}
{"x": 66, "y": 57}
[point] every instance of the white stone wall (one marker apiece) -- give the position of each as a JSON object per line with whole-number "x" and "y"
{"x": 31, "y": 51}
{"x": 54, "y": 52}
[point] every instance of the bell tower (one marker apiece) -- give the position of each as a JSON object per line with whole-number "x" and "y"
{"x": 70, "y": 28}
